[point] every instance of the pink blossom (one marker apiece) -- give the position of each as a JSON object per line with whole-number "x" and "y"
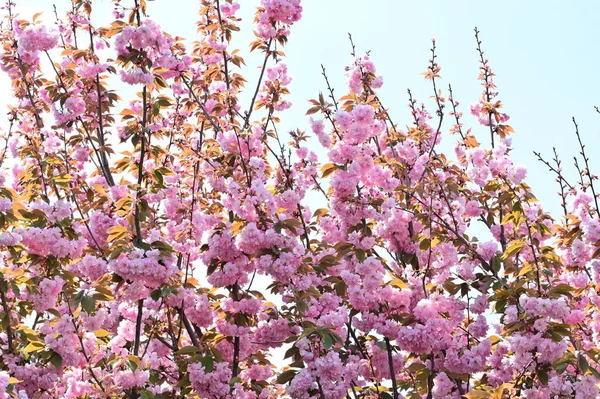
{"x": 138, "y": 76}
{"x": 229, "y": 9}
{"x": 4, "y": 377}
{"x": 285, "y": 11}
{"x": 213, "y": 383}
{"x": 36, "y": 38}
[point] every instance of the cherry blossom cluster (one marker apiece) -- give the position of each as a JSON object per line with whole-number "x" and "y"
{"x": 179, "y": 244}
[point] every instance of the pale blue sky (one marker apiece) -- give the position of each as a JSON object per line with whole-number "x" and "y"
{"x": 543, "y": 52}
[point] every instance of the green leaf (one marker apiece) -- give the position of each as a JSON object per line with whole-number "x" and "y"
{"x": 208, "y": 363}
{"x": 286, "y": 376}
{"x": 147, "y": 395}
{"x": 360, "y": 255}
{"x": 34, "y": 346}
{"x": 413, "y": 368}
{"x": 88, "y": 304}
{"x": 583, "y": 364}
{"x": 56, "y": 359}
{"x": 543, "y": 376}
{"x": 341, "y": 288}
{"x": 496, "y": 264}
{"x": 327, "y": 341}
{"x": 155, "y": 295}
{"x": 514, "y": 247}
{"x": 187, "y": 350}
{"x": 155, "y": 109}
{"x": 561, "y": 367}
{"x": 134, "y": 362}
{"x": 291, "y": 352}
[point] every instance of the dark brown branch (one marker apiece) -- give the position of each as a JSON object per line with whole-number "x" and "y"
{"x": 391, "y": 364}
{"x": 138, "y": 327}
{"x": 487, "y": 82}
{"x": 430, "y": 378}
{"x": 329, "y": 88}
{"x": 260, "y": 78}
{"x": 455, "y": 113}
{"x": 587, "y": 170}
{"x": 214, "y": 124}
{"x": 189, "y": 328}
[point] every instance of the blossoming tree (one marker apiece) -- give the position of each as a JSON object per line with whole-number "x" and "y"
{"x": 132, "y": 232}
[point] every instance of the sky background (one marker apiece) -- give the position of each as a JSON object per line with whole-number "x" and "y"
{"x": 544, "y": 54}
